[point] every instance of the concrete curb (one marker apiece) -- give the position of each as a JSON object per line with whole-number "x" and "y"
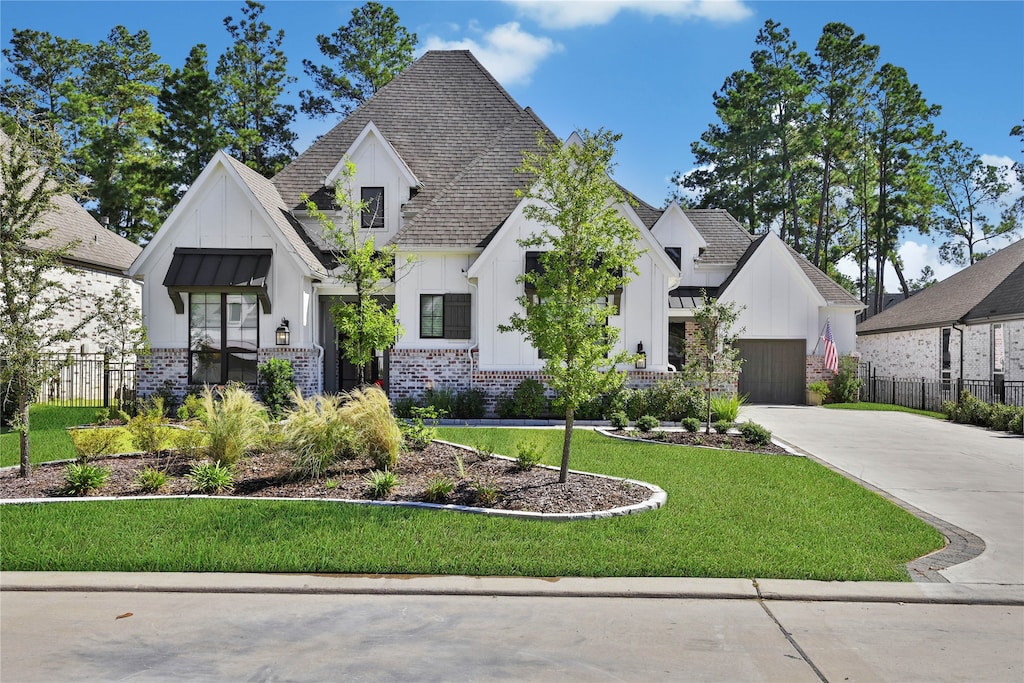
{"x": 669, "y": 588}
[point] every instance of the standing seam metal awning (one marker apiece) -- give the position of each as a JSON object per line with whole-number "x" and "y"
{"x": 241, "y": 271}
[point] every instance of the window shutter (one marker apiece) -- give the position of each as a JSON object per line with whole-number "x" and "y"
{"x": 457, "y": 316}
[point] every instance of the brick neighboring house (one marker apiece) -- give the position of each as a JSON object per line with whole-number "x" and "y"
{"x": 435, "y": 150}
{"x": 970, "y": 326}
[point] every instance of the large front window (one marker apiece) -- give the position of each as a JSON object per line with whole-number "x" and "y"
{"x": 445, "y": 316}
{"x": 223, "y": 338}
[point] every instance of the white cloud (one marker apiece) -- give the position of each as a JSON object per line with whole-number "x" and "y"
{"x": 566, "y": 14}
{"x": 1005, "y": 163}
{"x": 508, "y": 52}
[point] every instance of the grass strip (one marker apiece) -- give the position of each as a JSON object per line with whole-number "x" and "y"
{"x": 863, "y": 405}
{"x": 48, "y": 437}
{"x": 728, "y": 514}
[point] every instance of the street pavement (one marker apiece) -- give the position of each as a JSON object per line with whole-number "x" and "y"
{"x": 82, "y": 626}
{"x": 967, "y": 476}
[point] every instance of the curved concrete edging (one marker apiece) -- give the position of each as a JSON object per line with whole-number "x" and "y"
{"x": 781, "y": 444}
{"x": 657, "y": 499}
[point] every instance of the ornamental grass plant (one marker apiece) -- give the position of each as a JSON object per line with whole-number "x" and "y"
{"x": 315, "y": 431}
{"x": 235, "y": 423}
{"x": 375, "y": 431}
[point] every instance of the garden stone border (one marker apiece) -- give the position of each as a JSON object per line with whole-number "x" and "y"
{"x": 606, "y": 431}
{"x": 657, "y": 499}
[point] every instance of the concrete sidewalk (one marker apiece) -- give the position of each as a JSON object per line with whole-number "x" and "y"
{"x": 970, "y": 477}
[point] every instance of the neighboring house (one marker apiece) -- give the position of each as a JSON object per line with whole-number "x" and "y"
{"x": 970, "y": 326}
{"x": 239, "y": 259}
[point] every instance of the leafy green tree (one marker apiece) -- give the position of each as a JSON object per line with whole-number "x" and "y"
{"x": 926, "y": 279}
{"x": 367, "y": 53}
{"x": 965, "y": 186}
{"x": 32, "y": 175}
{"x": 589, "y": 249}
{"x": 115, "y": 118}
{"x": 253, "y": 76}
{"x": 366, "y": 325}
{"x": 46, "y": 68}
{"x": 120, "y": 330}
{"x": 712, "y": 356}
{"x": 190, "y": 133}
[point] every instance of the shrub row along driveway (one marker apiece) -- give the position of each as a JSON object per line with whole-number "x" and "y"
{"x": 970, "y": 477}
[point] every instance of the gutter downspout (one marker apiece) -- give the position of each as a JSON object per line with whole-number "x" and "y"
{"x": 473, "y": 343}
{"x": 315, "y": 316}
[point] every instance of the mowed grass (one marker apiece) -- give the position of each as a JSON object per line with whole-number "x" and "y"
{"x": 884, "y": 407}
{"x": 48, "y": 437}
{"x": 728, "y": 515}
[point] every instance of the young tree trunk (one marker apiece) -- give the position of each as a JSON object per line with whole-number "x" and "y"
{"x": 563, "y": 473}
{"x": 899, "y": 274}
{"x": 26, "y": 464}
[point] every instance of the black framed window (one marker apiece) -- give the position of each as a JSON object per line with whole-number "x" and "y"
{"x": 946, "y": 366}
{"x": 373, "y": 207}
{"x": 445, "y": 316}
{"x": 223, "y": 338}
{"x": 676, "y": 254}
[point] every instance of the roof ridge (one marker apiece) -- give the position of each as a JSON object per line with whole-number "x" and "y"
{"x": 485, "y": 72}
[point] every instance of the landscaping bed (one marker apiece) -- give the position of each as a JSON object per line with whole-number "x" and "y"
{"x": 733, "y": 442}
{"x": 269, "y": 475}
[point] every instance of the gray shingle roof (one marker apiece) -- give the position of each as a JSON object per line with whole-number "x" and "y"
{"x": 991, "y": 287}
{"x": 832, "y": 291}
{"x": 727, "y": 240}
{"x": 96, "y": 246}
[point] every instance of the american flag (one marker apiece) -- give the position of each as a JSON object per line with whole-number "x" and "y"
{"x": 831, "y": 355}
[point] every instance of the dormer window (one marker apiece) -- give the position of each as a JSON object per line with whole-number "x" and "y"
{"x": 373, "y": 207}
{"x": 676, "y": 254}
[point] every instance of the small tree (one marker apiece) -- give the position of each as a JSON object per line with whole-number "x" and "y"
{"x": 364, "y": 323}
{"x": 713, "y": 358}
{"x": 120, "y": 329}
{"x": 589, "y": 251}
{"x": 32, "y": 174}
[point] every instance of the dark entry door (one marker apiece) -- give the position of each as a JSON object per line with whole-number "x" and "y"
{"x": 348, "y": 374}
{"x": 773, "y": 370}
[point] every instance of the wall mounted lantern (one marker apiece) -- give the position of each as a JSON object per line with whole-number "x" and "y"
{"x": 283, "y": 336}
{"x": 641, "y": 357}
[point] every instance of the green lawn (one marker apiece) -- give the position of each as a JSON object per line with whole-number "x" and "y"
{"x": 728, "y": 515}
{"x": 48, "y": 438}
{"x": 863, "y": 405}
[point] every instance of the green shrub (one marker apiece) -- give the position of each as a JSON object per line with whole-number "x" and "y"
{"x": 439, "y": 489}
{"x": 594, "y": 409}
{"x": 416, "y": 432}
{"x": 722, "y": 426}
{"x": 112, "y": 414}
{"x": 211, "y": 477}
{"x": 470, "y": 404}
{"x": 486, "y": 493}
{"x": 150, "y": 479}
{"x": 647, "y": 423}
{"x": 527, "y": 401}
{"x": 846, "y": 383}
{"x": 148, "y": 432}
{"x": 404, "y": 407}
{"x": 690, "y": 424}
{"x": 636, "y": 402}
{"x": 618, "y": 420}
{"x": 672, "y": 399}
{"x": 274, "y": 385}
{"x": 528, "y": 455}
{"x": 1000, "y": 416}
{"x": 442, "y": 400}
{"x": 165, "y": 397}
{"x": 375, "y": 431}
{"x": 755, "y": 434}
{"x": 380, "y": 482}
{"x": 315, "y": 432}
{"x": 1016, "y": 425}
{"x": 727, "y": 407}
{"x": 83, "y": 478}
{"x": 194, "y": 407}
{"x": 235, "y": 422}
{"x": 189, "y": 442}
{"x": 90, "y": 443}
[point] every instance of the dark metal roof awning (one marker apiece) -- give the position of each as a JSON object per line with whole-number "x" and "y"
{"x": 689, "y": 297}
{"x": 241, "y": 271}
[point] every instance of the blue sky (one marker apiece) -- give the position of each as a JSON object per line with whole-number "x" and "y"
{"x": 644, "y": 69}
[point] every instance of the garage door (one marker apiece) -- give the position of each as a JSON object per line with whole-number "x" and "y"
{"x": 773, "y": 370}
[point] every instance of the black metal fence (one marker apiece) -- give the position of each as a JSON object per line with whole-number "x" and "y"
{"x": 88, "y": 379}
{"x": 929, "y": 394}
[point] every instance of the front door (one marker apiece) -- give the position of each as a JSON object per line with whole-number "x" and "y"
{"x": 348, "y": 374}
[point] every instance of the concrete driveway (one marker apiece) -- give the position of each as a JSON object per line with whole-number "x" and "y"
{"x": 969, "y": 477}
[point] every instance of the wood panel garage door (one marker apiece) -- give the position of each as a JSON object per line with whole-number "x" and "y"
{"x": 773, "y": 370}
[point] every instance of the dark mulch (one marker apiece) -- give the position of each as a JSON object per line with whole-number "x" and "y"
{"x": 733, "y": 442}
{"x": 268, "y": 475}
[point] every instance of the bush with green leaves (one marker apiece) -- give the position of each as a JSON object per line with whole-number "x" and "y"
{"x": 528, "y": 401}
{"x": 235, "y": 423}
{"x": 486, "y": 493}
{"x": 111, "y": 414}
{"x": 970, "y": 410}
{"x": 690, "y": 424}
{"x": 317, "y": 434}
{"x": 403, "y": 407}
{"x": 83, "y": 478}
{"x": 418, "y": 429}
{"x": 594, "y": 409}
{"x": 647, "y": 423}
{"x": 722, "y": 426}
{"x": 442, "y": 400}
{"x": 211, "y": 477}
{"x": 726, "y": 406}
{"x": 90, "y": 443}
{"x": 528, "y": 455}
{"x": 150, "y": 480}
{"x": 148, "y": 431}
{"x": 190, "y": 442}
{"x": 439, "y": 489}
{"x": 1000, "y": 415}
{"x": 192, "y": 408}
{"x": 381, "y": 482}
{"x": 375, "y": 432}
{"x": 470, "y": 404}
{"x": 755, "y": 434}
{"x": 1016, "y": 425}
{"x": 274, "y": 385}
{"x": 845, "y": 385}
{"x": 619, "y": 420}
{"x": 166, "y": 397}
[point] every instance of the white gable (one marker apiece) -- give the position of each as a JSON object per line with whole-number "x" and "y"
{"x": 362, "y": 149}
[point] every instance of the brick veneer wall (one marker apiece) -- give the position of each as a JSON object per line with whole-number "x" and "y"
{"x": 86, "y": 287}
{"x": 307, "y": 367}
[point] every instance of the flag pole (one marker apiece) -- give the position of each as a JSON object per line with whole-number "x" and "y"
{"x": 821, "y": 332}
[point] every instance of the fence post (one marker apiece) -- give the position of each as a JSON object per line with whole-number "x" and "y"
{"x": 922, "y": 393}
{"x": 106, "y": 382}
{"x": 959, "y": 388}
